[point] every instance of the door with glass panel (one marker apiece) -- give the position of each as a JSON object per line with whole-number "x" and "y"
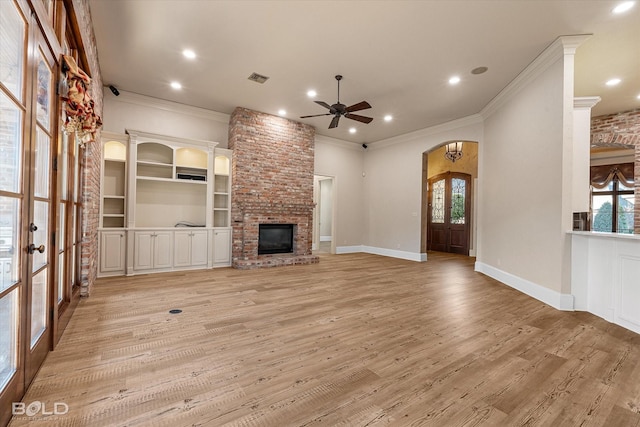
{"x": 448, "y": 226}
{"x": 27, "y": 127}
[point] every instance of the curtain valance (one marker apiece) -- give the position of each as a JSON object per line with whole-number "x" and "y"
{"x": 79, "y": 115}
{"x": 601, "y": 176}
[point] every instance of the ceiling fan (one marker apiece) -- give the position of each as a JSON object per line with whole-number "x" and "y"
{"x": 337, "y": 110}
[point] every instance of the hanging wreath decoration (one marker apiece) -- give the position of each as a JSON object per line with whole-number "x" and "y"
{"x": 79, "y": 115}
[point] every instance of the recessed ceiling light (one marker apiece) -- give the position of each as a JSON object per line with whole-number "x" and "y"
{"x": 352, "y": 130}
{"x": 454, "y": 80}
{"x": 613, "y": 82}
{"x": 189, "y": 54}
{"x": 638, "y": 96}
{"x": 282, "y": 112}
{"x": 176, "y": 85}
{"x": 311, "y": 94}
{"x": 623, "y": 7}
{"x": 388, "y": 118}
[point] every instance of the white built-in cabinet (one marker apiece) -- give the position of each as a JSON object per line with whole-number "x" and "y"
{"x": 169, "y": 201}
{"x": 190, "y": 248}
{"x": 112, "y": 252}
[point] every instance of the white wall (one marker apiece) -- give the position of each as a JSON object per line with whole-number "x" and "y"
{"x": 526, "y": 180}
{"x": 343, "y": 161}
{"x": 393, "y": 185}
{"x": 133, "y": 111}
{"x": 520, "y": 192}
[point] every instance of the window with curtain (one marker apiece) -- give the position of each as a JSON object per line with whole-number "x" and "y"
{"x": 612, "y": 198}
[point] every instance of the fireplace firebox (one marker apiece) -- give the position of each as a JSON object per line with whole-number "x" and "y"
{"x": 275, "y": 239}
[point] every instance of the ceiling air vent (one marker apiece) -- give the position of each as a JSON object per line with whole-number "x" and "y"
{"x": 258, "y": 78}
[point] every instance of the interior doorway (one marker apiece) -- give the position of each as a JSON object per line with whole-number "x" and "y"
{"x": 449, "y": 202}
{"x": 323, "y": 214}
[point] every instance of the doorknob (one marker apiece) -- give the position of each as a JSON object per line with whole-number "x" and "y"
{"x": 32, "y": 248}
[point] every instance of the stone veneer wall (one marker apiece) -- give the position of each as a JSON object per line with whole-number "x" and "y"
{"x": 621, "y": 129}
{"x": 271, "y": 183}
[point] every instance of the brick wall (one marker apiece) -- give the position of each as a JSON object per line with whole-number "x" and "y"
{"x": 91, "y": 159}
{"x": 620, "y": 130}
{"x": 272, "y": 183}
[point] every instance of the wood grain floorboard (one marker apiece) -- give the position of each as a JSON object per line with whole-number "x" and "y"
{"x": 355, "y": 340}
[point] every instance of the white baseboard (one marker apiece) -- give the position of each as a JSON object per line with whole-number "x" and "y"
{"x": 325, "y": 238}
{"x": 410, "y": 256}
{"x": 548, "y": 296}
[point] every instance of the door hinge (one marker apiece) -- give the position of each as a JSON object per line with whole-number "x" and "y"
{"x": 55, "y": 164}
{"x": 51, "y": 311}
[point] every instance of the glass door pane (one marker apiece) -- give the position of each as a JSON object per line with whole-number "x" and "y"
{"x": 12, "y": 42}
{"x": 38, "y": 305}
{"x": 437, "y": 204}
{"x": 458, "y": 194}
{"x": 11, "y": 143}
{"x": 8, "y": 336}
{"x": 9, "y": 241}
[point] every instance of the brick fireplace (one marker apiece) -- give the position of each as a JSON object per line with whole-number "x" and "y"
{"x": 272, "y": 183}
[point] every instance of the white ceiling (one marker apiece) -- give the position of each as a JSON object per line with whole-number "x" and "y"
{"x": 397, "y": 55}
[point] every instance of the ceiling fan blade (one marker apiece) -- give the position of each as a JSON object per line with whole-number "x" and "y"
{"x": 359, "y": 118}
{"x": 357, "y": 107}
{"x": 334, "y": 121}
{"x": 316, "y": 115}
{"x": 324, "y": 104}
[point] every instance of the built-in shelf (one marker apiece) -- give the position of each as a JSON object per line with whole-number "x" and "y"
{"x": 222, "y": 189}
{"x": 150, "y": 185}
{"x": 114, "y": 173}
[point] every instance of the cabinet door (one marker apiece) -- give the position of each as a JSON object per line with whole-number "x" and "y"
{"x": 143, "y": 250}
{"x": 112, "y": 252}
{"x": 221, "y": 246}
{"x": 163, "y": 243}
{"x": 182, "y": 249}
{"x": 199, "y": 247}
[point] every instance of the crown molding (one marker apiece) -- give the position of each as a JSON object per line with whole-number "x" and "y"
{"x": 338, "y": 142}
{"x": 426, "y": 132}
{"x": 174, "y": 107}
{"x": 585, "y": 102}
{"x": 563, "y": 45}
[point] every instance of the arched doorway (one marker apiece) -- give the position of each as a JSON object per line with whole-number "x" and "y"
{"x": 454, "y": 214}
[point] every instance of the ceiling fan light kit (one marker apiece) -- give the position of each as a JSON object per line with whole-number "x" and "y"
{"x": 338, "y": 110}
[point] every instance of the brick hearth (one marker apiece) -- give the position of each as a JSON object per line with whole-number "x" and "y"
{"x": 272, "y": 183}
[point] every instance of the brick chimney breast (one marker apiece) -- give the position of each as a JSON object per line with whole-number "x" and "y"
{"x": 271, "y": 183}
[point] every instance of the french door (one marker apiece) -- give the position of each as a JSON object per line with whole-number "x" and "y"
{"x": 28, "y": 142}
{"x": 448, "y": 218}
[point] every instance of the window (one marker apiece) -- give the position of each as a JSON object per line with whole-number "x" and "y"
{"x": 612, "y": 198}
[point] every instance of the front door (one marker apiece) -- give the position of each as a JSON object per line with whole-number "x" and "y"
{"x": 448, "y": 226}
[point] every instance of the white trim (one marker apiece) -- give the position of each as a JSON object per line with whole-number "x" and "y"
{"x": 410, "y": 256}
{"x": 548, "y": 296}
{"x": 423, "y": 133}
{"x": 338, "y": 143}
{"x": 174, "y": 107}
{"x": 325, "y": 238}
{"x": 585, "y": 102}
{"x": 349, "y": 249}
{"x": 553, "y": 53}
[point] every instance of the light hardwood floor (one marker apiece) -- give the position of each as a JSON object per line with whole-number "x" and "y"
{"x": 356, "y": 340}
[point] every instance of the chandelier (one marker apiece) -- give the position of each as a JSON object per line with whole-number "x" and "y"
{"x": 453, "y": 151}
